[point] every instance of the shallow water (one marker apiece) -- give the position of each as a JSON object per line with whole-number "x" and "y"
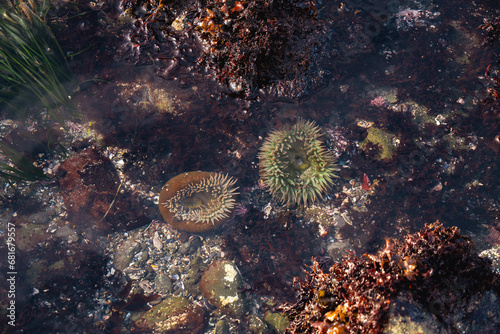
{"x": 399, "y": 95}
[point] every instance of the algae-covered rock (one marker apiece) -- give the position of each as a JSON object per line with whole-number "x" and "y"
{"x": 383, "y": 140}
{"x": 163, "y": 283}
{"x": 406, "y": 316}
{"x": 174, "y": 315}
{"x": 193, "y": 277}
{"x": 221, "y": 327}
{"x": 221, "y": 284}
{"x": 29, "y": 235}
{"x": 257, "y": 325}
{"x": 277, "y": 321}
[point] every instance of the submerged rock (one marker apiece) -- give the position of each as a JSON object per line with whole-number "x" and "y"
{"x": 431, "y": 280}
{"x": 221, "y": 284}
{"x": 277, "y": 321}
{"x": 221, "y": 327}
{"x": 173, "y": 315}
{"x": 407, "y": 316}
{"x": 257, "y": 325}
{"x": 89, "y": 185}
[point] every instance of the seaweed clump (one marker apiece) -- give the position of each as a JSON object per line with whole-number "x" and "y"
{"x": 280, "y": 47}
{"x": 255, "y": 43}
{"x": 492, "y": 29}
{"x": 33, "y": 67}
{"x": 437, "y": 267}
{"x": 491, "y": 102}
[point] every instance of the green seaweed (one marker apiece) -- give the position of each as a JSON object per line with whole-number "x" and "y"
{"x": 33, "y": 67}
{"x": 14, "y": 166}
{"x": 383, "y": 140}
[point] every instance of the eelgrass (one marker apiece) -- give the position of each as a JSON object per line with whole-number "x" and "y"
{"x": 34, "y": 76}
{"x": 14, "y": 166}
{"x": 33, "y": 67}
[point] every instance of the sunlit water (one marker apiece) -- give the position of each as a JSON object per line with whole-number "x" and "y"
{"x": 401, "y": 108}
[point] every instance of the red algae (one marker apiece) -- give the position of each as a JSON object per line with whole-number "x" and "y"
{"x": 355, "y": 295}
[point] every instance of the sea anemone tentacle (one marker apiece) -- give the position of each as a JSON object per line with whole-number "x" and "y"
{"x": 295, "y": 165}
{"x": 198, "y": 201}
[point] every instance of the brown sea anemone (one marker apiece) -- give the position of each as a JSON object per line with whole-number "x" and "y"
{"x": 197, "y": 201}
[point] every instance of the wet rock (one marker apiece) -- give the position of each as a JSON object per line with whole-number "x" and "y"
{"x": 257, "y": 325}
{"x": 407, "y": 316}
{"x": 67, "y": 234}
{"x": 484, "y": 316}
{"x": 196, "y": 269}
{"x": 221, "y": 327}
{"x": 481, "y": 314}
{"x": 125, "y": 253}
{"x": 382, "y": 141}
{"x": 221, "y": 285}
{"x": 135, "y": 273}
{"x": 174, "y": 315}
{"x": 28, "y": 235}
{"x": 39, "y": 218}
{"x": 277, "y": 321}
{"x": 336, "y": 249}
{"x": 163, "y": 283}
{"x": 190, "y": 246}
{"x": 89, "y": 186}
{"x": 493, "y": 254}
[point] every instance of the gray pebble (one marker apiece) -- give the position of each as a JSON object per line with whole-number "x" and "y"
{"x": 163, "y": 283}
{"x": 39, "y": 218}
{"x": 67, "y": 233}
{"x": 125, "y": 253}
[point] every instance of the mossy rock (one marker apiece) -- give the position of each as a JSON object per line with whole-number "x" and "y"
{"x": 383, "y": 140}
{"x": 174, "y": 315}
{"x": 221, "y": 284}
{"x": 257, "y": 325}
{"x": 277, "y": 321}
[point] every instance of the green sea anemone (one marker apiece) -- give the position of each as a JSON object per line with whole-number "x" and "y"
{"x": 197, "y": 201}
{"x": 295, "y": 165}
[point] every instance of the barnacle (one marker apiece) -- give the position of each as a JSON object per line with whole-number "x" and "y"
{"x": 295, "y": 165}
{"x": 197, "y": 201}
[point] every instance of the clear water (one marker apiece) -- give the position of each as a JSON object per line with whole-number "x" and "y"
{"x": 400, "y": 106}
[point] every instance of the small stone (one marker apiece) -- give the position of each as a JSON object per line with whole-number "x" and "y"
{"x": 157, "y": 242}
{"x": 67, "y": 233}
{"x": 147, "y": 287}
{"x": 257, "y": 325}
{"x": 193, "y": 277}
{"x": 125, "y": 253}
{"x": 277, "y": 321}
{"x": 39, "y": 218}
{"x": 190, "y": 246}
{"x": 163, "y": 283}
{"x": 173, "y": 315}
{"x": 221, "y": 284}
{"x": 221, "y": 327}
{"x": 135, "y": 273}
{"x": 172, "y": 248}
